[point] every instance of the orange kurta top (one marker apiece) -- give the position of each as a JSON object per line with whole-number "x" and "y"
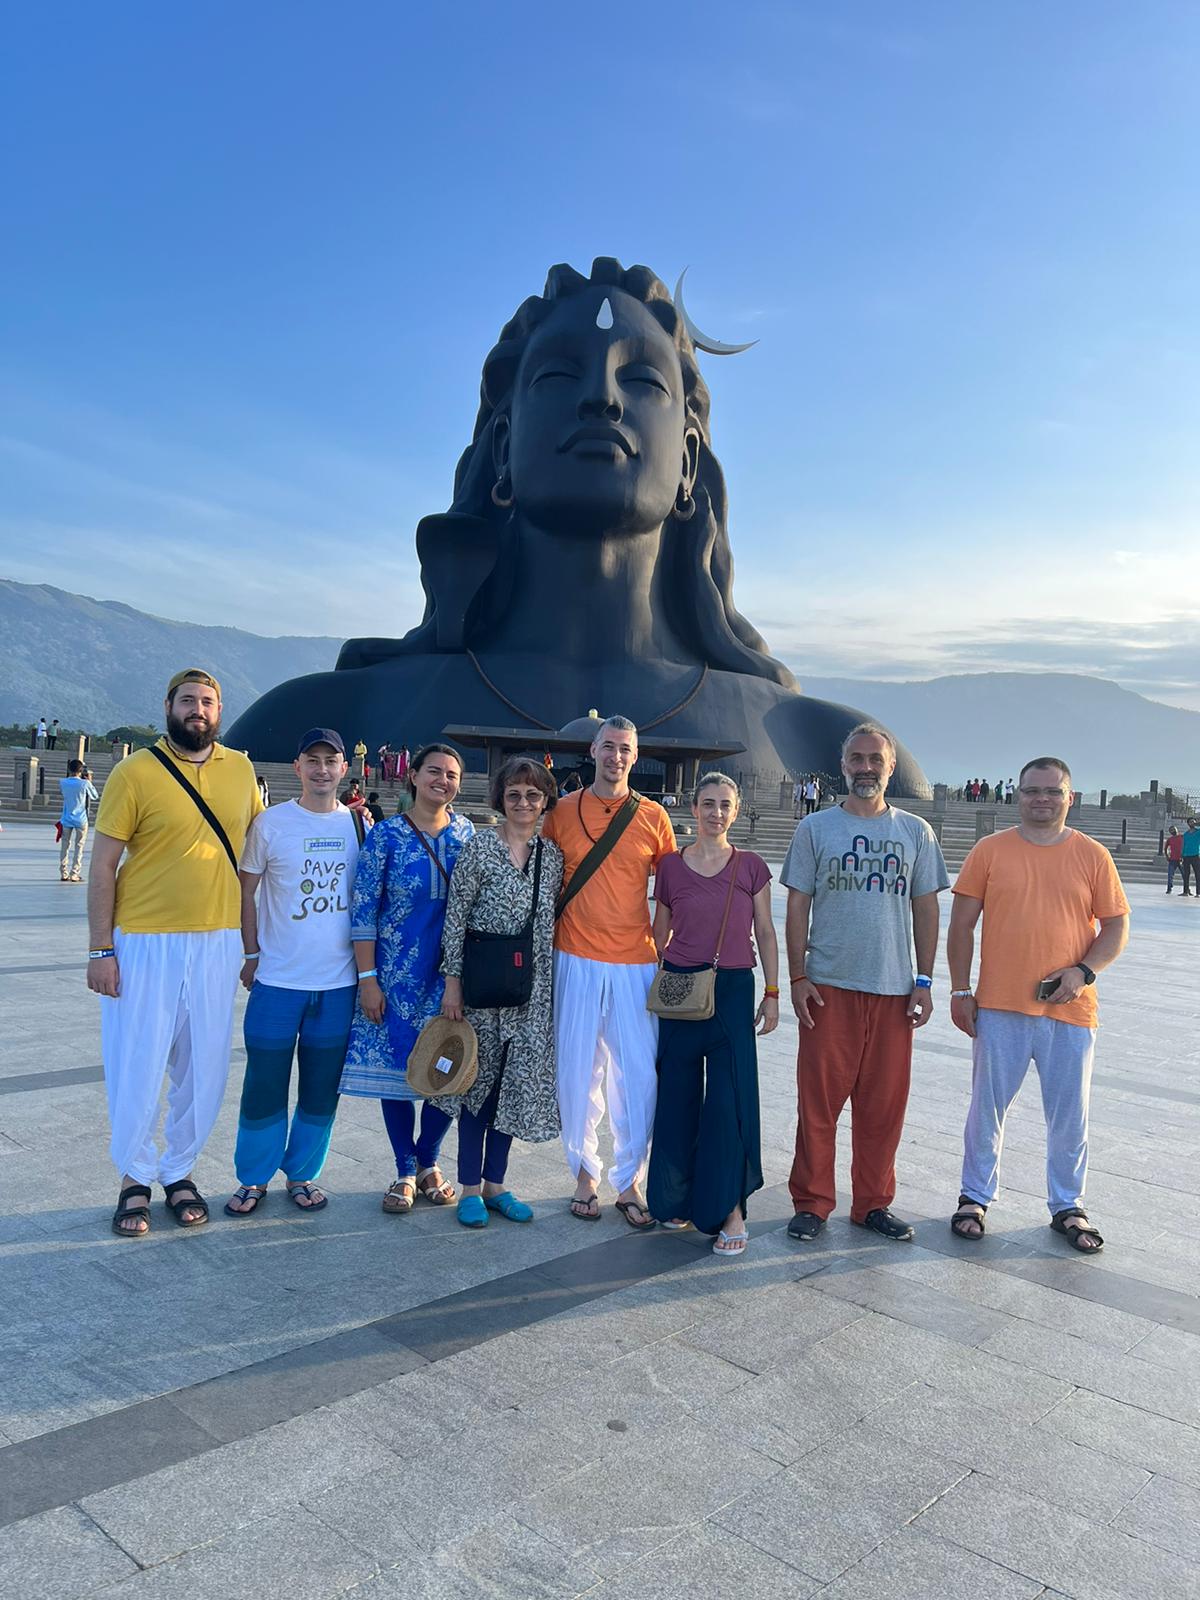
{"x": 609, "y": 919}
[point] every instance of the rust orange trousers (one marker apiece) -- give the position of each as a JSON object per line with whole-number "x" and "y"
{"x": 859, "y": 1050}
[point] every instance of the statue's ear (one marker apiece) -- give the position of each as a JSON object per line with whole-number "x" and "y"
{"x": 501, "y": 445}
{"x": 691, "y": 459}
{"x": 458, "y": 554}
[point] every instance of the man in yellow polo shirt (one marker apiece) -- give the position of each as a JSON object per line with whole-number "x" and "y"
{"x": 166, "y": 948}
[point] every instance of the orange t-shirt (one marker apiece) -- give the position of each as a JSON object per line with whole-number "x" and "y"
{"x": 1040, "y": 905}
{"x": 609, "y": 919}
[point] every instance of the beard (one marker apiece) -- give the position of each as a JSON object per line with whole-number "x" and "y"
{"x": 193, "y": 737}
{"x": 866, "y": 788}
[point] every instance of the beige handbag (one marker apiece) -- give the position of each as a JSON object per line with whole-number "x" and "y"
{"x": 691, "y": 996}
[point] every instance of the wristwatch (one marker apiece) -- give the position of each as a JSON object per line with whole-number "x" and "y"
{"x": 1088, "y": 975}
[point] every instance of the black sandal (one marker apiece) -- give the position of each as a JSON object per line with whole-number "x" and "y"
{"x": 975, "y": 1215}
{"x": 1059, "y": 1222}
{"x": 248, "y": 1191}
{"x": 195, "y": 1202}
{"x": 647, "y": 1222}
{"x": 123, "y": 1210}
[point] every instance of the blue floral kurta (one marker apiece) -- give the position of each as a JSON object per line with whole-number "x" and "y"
{"x": 399, "y": 901}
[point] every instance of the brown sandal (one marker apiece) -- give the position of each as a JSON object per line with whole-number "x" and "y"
{"x": 438, "y": 1194}
{"x": 398, "y": 1201}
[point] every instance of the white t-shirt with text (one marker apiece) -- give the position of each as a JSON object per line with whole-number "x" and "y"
{"x": 307, "y": 860}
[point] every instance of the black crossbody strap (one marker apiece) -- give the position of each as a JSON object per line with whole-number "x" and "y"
{"x": 432, "y": 854}
{"x": 599, "y": 851}
{"x": 202, "y": 805}
{"x": 537, "y": 882}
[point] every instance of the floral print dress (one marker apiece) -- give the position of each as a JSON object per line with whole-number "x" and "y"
{"x": 399, "y": 900}
{"x": 516, "y": 1044}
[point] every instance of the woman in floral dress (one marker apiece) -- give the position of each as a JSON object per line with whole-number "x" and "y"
{"x": 516, "y": 1093}
{"x": 401, "y": 887}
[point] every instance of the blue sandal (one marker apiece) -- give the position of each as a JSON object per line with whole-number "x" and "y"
{"x": 507, "y": 1204}
{"x": 472, "y": 1212}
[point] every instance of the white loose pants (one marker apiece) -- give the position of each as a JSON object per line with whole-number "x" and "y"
{"x": 174, "y": 1015}
{"x": 602, "y": 1029}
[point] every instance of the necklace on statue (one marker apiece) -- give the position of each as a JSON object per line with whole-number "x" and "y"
{"x": 546, "y": 727}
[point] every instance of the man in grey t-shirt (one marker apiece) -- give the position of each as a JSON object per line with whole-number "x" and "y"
{"x": 863, "y": 880}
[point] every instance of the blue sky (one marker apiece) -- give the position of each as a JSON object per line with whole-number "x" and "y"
{"x": 256, "y": 252}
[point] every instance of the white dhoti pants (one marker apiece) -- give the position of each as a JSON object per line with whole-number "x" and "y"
{"x": 602, "y": 1027}
{"x": 174, "y": 1015}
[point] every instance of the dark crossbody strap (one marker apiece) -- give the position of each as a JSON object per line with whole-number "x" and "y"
{"x": 599, "y": 851}
{"x": 537, "y": 884}
{"x": 202, "y": 805}
{"x": 431, "y": 853}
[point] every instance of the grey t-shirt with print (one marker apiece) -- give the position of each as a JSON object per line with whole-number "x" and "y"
{"x": 862, "y": 873}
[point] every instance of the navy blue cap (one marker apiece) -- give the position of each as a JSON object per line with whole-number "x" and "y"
{"x": 321, "y": 736}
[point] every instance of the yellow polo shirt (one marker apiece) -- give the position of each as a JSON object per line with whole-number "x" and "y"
{"x": 176, "y": 877}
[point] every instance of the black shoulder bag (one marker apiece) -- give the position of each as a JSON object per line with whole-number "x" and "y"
{"x": 498, "y": 967}
{"x": 202, "y": 805}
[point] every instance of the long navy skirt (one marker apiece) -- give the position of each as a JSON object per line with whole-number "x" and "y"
{"x": 706, "y": 1159}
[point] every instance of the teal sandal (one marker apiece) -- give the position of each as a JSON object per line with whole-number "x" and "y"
{"x": 472, "y": 1212}
{"x": 507, "y": 1204}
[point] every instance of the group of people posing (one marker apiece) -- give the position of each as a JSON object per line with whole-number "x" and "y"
{"x": 352, "y": 939}
{"x": 979, "y": 790}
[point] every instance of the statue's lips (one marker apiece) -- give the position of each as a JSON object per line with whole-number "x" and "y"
{"x": 597, "y": 439}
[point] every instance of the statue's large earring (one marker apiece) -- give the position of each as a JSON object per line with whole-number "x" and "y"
{"x": 498, "y": 487}
{"x": 685, "y": 506}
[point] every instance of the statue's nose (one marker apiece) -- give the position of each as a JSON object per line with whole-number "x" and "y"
{"x": 601, "y": 400}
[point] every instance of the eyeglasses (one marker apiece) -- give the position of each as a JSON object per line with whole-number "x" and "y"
{"x": 1049, "y": 794}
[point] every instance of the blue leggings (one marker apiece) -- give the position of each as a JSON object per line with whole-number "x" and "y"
{"x": 475, "y": 1128}
{"x": 276, "y": 1022}
{"x": 414, "y": 1152}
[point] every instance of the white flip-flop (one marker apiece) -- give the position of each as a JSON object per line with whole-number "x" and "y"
{"x": 735, "y": 1243}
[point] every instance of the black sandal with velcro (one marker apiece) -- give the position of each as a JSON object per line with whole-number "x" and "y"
{"x": 1060, "y": 1222}
{"x": 969, "y": 1211}
{"x": 124, "y": 1210}
{"x": 194, "y": 1201}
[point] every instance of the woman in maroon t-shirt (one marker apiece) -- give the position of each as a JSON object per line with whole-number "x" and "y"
{"x": 705, "y": 1160}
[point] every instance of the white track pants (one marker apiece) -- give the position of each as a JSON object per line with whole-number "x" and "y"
{"x": 174, "y": 1015}
{"x": 601, "y": 1026}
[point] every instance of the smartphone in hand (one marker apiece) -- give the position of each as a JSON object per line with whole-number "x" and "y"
{"x": 1047, "y": 988}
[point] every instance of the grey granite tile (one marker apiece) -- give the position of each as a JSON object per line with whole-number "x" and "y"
{"x": 840, "y": 1501}
{"x": 708, "y": 1563}
{"x": 289, "y": 1385}
{"x": 423, "y": 1410}
{"x": 917, "y": 1566}
{"x": 38, "y": 1474}
{"x": 505, "y": 1562}
{"x": 1016, "y": 1530}
{"x": 446, "y": 1495}
{"x": 774, "y": 1329}
{"x": 1128, "y": 1434}
{"x": 887, "y": 1292}
{"x": 1166, "y": 1515}
{"x": 57, "y": 1553}
{"x": 442, "y": 1327}
{"x": 587, "y": 1515}
{"x": 1110, "y": 1565}
{"x": 1120, "y": 1376}
{"x": 166, "y": 1513}
{"x": 1022, "y": 1456}
{"x": 271, "y": 1559}
{"x": 1170, "y": 1348}
{"x": 879, "y": 1358}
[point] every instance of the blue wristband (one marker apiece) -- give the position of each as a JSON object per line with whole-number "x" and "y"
{"x": 923, "y": 983}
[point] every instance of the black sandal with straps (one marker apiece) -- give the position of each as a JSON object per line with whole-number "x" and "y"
{"x": 1061, "y": 1222}
{"x": 194, "y": 1202}
{"x": 969, "y": 1211}
{"x": 125, "y": 1210}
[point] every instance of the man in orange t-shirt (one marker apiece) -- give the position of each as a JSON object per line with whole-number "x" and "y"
{"x": 1041, "y": 888}
{"x": 604, "y": 964}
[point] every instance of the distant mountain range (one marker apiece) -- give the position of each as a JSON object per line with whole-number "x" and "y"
{"x": 96, "y": 664}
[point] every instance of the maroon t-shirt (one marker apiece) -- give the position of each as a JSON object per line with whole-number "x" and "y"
{"x": 697, "y": 905}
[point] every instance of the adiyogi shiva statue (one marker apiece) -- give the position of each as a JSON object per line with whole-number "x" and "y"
{"x": 584, "y": 560}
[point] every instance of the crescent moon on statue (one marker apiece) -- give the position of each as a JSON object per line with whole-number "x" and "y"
{"x": 702, "y": 340}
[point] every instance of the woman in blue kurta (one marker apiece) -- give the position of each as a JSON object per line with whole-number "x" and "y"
{"x": 396, "y": 918}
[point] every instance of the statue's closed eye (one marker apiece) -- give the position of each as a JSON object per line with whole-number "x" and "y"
{"x": 641, "y": 373}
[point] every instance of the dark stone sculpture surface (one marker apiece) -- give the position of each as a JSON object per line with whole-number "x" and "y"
{"x": 584, "y": 561}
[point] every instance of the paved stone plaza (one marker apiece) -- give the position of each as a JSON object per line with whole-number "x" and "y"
{"x": 353, "y": 1404}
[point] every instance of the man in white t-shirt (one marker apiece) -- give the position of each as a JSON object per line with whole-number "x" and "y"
{"x": 300, "y": 859}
